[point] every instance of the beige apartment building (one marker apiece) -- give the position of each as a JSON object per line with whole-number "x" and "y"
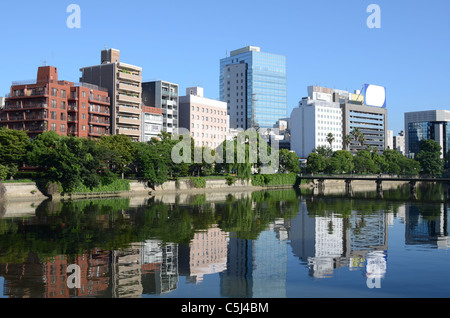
{"x": 124, "y": 84}
{"x": 206, "y": 119}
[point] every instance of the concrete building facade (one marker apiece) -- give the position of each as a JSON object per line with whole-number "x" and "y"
{"x": 310, "y": 123}
{"x": 163, "y": 95}
{"x": 152, "y": 122}
{"x": 338, "y": 112}
{"x": 206, "y": 119}
{"x": 124, "y": 84}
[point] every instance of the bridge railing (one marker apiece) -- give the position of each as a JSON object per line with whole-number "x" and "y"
{"x": 368, "y": 176}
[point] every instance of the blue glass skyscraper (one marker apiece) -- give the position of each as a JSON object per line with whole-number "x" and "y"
{"x": 254, "y": 85}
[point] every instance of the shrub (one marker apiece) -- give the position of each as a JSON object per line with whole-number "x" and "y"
{"x": 230, "y": 180}
{"x": 3, "y": 172}
{"x": 52, "y": 188}
{"x": 198, "y": 182}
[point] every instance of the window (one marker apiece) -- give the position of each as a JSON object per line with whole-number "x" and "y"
{"x": 54, "y": 92}
{"x": 63, "y": 116}
{"x": 54, "y": 103}
{"x": 53, "y": 115}
{"x": 53, "y": 127}
{"x": 63, "y": 93}
{"x": 83, "y": 94}
{"x": 63, "y": 105}
{"x": 63, "y": 128}
{"x": 83, "y": 127}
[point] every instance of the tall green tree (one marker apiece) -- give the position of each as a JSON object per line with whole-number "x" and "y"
{"x": 13, "y": 145}
{"x": 289, "y": 161}
{"x": 330, "y": 139}
{"x": 315, "y": 163}
{"x": 117, "y": 151}
{"x": 364, "y": 163}
{"x": 429, "y": 157}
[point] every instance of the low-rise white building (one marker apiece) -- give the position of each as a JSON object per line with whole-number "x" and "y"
{"x": 206, "y": 119}
{"x": 313, "y": 120}
{"x": 152, "y": 122}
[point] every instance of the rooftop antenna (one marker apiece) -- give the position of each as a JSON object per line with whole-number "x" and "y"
{"x": 44, "y": 63}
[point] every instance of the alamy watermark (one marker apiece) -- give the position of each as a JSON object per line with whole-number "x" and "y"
{"x": 246, "y": 149}
{"x": 375, "y": 269}
{"x": 74, "y": 19}
{"x": 374, "y": 19}
{"x": 74, "y": 279}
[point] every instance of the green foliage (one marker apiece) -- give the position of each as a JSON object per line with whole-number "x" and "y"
{"x": 117, "y": 151}
{"x": 364, "y": 163}
{"x": 289, "y": 161}
{"x": 230, "y": 180}
{"x": 429, "y": 157}
{"x": 113, "y": 186}
{"x": 13, "y": 146}
{"x": 396, "y": 163}
{"x": 198, "y": 182}
{"x": 151, "y": 165}
{"x": 3, "y": 172}
{"x": 277, "y": 179}
{"x": 316, "y": 163}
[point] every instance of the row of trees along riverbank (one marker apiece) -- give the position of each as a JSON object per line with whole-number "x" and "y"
{"x": 368, "y": 161}
{"x": 72, "y": 164}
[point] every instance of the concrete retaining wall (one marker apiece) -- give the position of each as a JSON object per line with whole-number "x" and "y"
{"x": 23, "y": 191}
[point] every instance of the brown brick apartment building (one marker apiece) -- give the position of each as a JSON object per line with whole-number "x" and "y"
{"x": 49, "y": 104}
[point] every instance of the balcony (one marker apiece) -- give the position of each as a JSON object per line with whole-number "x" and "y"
{"x": 36, "y": 128}
{"x": 95, "y": 131}
{"x": 128, "y": 132}
{"x": 130, "y": 88}
{"x": 129, "y": 110}
{"x": 98, "y": 121}
{"x": 99, "y": 99}
{"x": 128, "y": 121}
{"x": 128, "y": 99}
{"x": 36, "y": 116}
{"x": 129, "y": 76}
{"x": 99, "y": 110}
{"x": 34, "y": 105}
{"x": 16, "y": 117}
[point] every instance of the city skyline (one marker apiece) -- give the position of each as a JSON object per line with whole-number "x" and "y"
{"x": 325, "y": 43}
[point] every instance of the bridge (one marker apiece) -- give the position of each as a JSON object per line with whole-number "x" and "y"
{"x": 319, "y": 181}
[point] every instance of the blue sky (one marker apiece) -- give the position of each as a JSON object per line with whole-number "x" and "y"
{"x": 326, "y": 42}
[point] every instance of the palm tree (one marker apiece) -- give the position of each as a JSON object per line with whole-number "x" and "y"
{"x": 356, "y": 133}
{"x": 362, "y": 139}
{"x": 330, "y": 139}
{"x": 347, "y": 141}
{"x": 358, "y": 136}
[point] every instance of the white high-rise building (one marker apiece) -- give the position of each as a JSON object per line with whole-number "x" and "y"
{"x": 316, "y": 117}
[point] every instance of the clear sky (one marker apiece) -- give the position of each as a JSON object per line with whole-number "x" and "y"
{"x": 326, "y": 42}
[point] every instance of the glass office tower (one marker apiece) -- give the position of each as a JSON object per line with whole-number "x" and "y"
{"x": 253, "y": 84}
{"x": 430, "y": 124}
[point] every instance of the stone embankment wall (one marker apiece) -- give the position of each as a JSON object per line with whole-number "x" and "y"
{"x": 21, "y": 191}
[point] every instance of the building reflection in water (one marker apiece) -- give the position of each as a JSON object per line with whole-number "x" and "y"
{"x": 206, "y": 254}
{"x": 247, "y": 268}
{"x": 257, "y": 268}
{"x": 325, "y": 243}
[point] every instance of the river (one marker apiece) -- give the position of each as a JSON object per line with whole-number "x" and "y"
{"x": 268, "y": 244}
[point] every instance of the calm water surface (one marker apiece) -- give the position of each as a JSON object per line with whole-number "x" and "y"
{"x": 270, "y": 244}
